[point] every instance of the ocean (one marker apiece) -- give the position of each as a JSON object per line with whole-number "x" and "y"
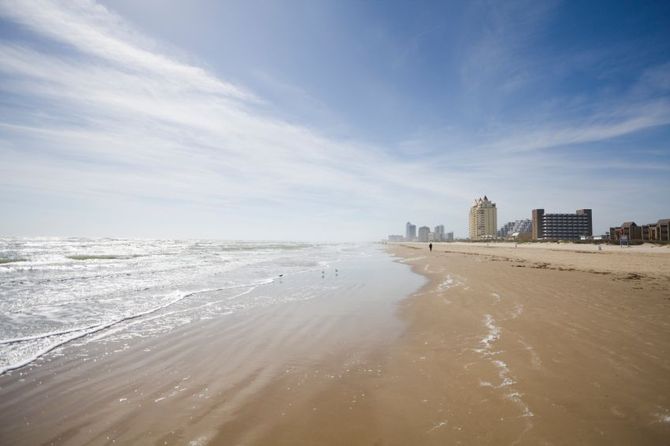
{"x": 58, "y": 292}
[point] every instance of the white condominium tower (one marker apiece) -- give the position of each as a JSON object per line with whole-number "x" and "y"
{"x": 438, "y": 233}
{"x": 483, "y": 219}
{"x": 424, "y": 234}
{"x": 410, "y": 232}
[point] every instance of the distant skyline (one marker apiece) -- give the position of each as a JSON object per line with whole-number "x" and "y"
{"x": 334, "y": 121}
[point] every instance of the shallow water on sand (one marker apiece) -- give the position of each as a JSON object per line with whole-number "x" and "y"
{"x": 56, "y": 292}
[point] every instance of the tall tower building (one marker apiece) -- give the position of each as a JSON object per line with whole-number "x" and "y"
{"x": 483, "y": 219}
{"x": 439, "y": 233}
{"x": 410, "y": 232}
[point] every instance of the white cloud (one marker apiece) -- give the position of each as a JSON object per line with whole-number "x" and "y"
{"x": 599, "y": 127}
{"x": 92, "y": 29}
{"x": 112, "y": 118}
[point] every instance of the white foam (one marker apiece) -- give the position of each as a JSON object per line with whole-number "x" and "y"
{"x": 47, "y": 335}
{"x": 437, "y": 426}
{"x": 662, "y": 417}
{"x": 492, "y": 335}
{"x": 516, "y": 397}
{"x": 517, "y": 311}
{"x": 200, "y": 441}
{"x": 60, "y": 340}
{"x": 449, "y": 282}
{"x": 52, "y": 299}
{"x": 507, "y": 380}
{"x": 535, "y": 360}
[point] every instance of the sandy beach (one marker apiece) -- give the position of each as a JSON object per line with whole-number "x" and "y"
{"x": 215, "y": 220}
{"x": 536, "y": 344}
{"x": 509, "y": 345}
{"x": 540, "y": 344}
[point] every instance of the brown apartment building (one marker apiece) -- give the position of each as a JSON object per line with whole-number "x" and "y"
{"x": 561, "y": 226}
{"x": 653, "y": 232}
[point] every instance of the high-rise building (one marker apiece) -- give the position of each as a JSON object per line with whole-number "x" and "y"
{"x": 483, "y": 219}
{"x": 438, "y": 233}
{"x": 449, "y": 237}
{"x": 562, "y": 226}
{"x": 410, "y": 232}
{"x": 424, "y": 234}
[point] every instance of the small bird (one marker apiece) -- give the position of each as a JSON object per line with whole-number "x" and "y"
{"x": 281, "y": 275}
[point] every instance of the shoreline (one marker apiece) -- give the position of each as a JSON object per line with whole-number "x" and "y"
{"x": 485, "y": 352}
{"x": 495, "y": 354}
{"x": 483, "y": 361}
{"x": 192, "y": 383}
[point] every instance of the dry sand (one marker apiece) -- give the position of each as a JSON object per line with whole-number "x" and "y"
{"x": 503, "y": 345}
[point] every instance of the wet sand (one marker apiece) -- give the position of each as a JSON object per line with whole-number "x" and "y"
{"x": 193, "y": 384}
{"x": 538, "y": 346}
{"x": 503, "y": 350}
{"x": 503, "y": 345}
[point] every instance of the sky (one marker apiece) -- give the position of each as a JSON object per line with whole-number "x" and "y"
{"x": 327, "y": 121}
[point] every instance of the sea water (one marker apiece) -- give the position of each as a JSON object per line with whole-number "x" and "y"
{"x": 70, "y": 291}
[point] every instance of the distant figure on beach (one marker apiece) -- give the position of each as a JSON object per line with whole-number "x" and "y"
{"x": 430, "y": 247}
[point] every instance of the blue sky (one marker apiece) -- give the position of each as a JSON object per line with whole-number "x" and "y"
{"x": 327, "y": 120}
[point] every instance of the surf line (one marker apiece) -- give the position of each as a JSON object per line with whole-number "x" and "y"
{"x": 92, "y": 329}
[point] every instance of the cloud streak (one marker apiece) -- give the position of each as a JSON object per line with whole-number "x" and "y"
{"x": 110, "y": 116}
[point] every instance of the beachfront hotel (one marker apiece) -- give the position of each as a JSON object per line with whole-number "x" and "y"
{"x": 561, "y": 226}
{"x": 424, "y": 234}
{"x": 483, "y": 219}
{"x": 438, "y": 233}
{"x": 410, "y": 232}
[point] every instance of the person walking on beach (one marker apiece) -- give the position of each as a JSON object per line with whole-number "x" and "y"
{"x": 430, "y": 247}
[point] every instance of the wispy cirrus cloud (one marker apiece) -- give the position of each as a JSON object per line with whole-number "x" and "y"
{"x": 119, "y": 120}
{"x": 109, "y": 115}
{"x": 601, "y": 126}
{"x": 93, "y": 29}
